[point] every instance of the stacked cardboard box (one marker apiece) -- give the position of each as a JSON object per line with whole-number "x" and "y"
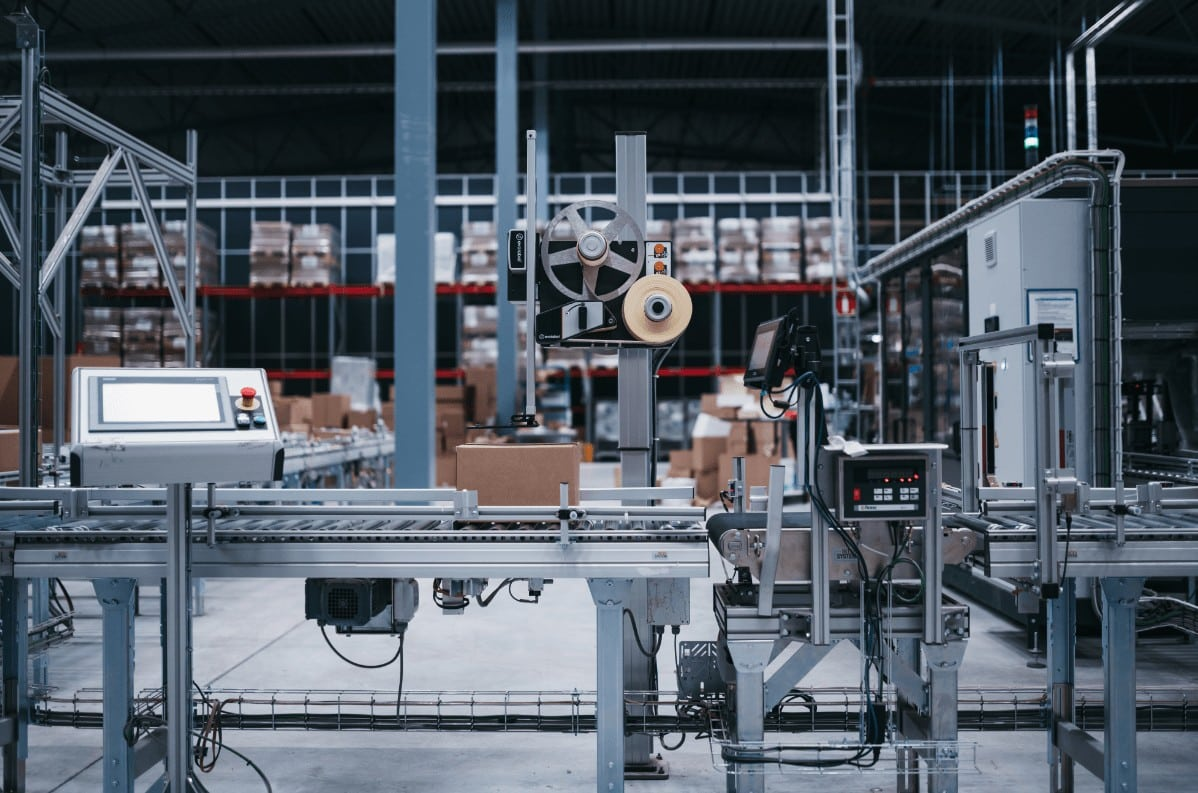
{"x": 102, "y": 331}
{"x": 479, "y": 252}
{"x": 519, "y": 474}
{"x": 315, "y": 255}
{"x": 294, "y": 414}
{"x": 694, "y": 250}
{"x": 174, "y": 345}
{"x": 818, "y": 242}
{"x": 780, "y": 249}
{"x": 445, "y": 257}
{"x": 270, "y": 253}
{"x": 141, "y": 337}
{"x": 330, "y": 411}
{"x": 480, "y": 380}
{"x": 99, "y": 256}
{"x": 139, "y": 262}
{"x": 453, "y": 406}
{"x": 738, "y": 249}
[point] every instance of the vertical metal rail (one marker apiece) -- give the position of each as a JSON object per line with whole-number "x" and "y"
{"x": 933, "y": 556}
{"x": 414, "y": 329}
{"x": 60, "y": 303}
{"x": 116, "y": 600}
{"x": 635, "y": 400}
{"x": 531, "y": 252}
{"x": 507, "y": 98}
{"x": 610, "y": 596}
{"x": 30, "y": 323}
{"x": 773, "y": 542}
{"x": 1062, "y": 639}
{"x": 193, "y": 151}
{"x": 846, "y": 327}
{"x": 178, "y": 637}
{"x": 1046, "y": 461}
{"x": 1120, "y": 596}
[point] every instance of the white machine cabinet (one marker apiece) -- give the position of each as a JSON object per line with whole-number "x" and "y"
{"x": 163, "y": 426}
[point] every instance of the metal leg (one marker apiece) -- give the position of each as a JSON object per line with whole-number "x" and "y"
{"x": 944, "y": 661}
{"x": 39, "y": 608}
{"x": 14, "y": 615}
{"x": 178, "y": 638}
{"x": 610, "y": 596}
{"x": 1062, "y": 645}
{"x": 786, "y": 672}
{"x": 198, "y": 589}
{"x": 1119, "y": 599}
{"x": 907, "y": 760}
{"x": 750, "y": 659}
{"x": 116, "y": 599}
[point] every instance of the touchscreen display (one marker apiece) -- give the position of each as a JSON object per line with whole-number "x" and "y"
{"x": 161, "y": 402}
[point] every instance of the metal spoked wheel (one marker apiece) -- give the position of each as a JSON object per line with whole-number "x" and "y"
{"x": 593, "y": 263}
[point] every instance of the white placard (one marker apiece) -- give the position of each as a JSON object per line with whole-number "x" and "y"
{"x": 1059, "y": 307}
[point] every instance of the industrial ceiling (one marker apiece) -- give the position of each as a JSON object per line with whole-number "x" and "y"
{"x": 306, "y": 86}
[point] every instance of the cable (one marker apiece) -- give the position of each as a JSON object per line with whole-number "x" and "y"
{"x": 636, "y": 634}
{"x": 399, "y": 689}
{"x": 485, "y": 600}
{"x": 351, "y": 662}
{"x": 439, "y": 598}
{"x": 1068, "y": 537}
{"x": 534, "y": 599}
{"x": 250, "y": 763}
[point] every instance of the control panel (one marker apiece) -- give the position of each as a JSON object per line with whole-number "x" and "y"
{"x": 883, "y": 487}
{"x": 167, "y": 426}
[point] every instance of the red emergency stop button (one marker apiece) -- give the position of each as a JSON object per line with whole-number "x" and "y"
{"x": 856, "y": 494}
{"x": 247, "y": 398}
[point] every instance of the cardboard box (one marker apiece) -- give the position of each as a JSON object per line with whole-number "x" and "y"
{"x": 722, "y": 406}
{"x": 447, "y": 470}
{"x": 9, "y": 386}
{"x": 481, "y": 379}
{"x": 276, "y": 388}
{"x": 293, "y": 411}
{"x": 10, "y": 448}
{"x": 709, "y": 439}
{"x": 330, "y": 410}
{"x": 757, "y": 468}
{"x": 365, "y": 419}
{"x": 752, "y": 437}
{"x": 387, "y": 414}
{"x": 681, "y": 463}
{"x": 708, "y": 485}
{"x": 46, "y": 386}
{"x": 518, "y": 473}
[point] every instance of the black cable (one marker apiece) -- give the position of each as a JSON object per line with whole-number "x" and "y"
{"x": 636, "y": 634}
{"x": 250, "y": 763}
{"x": 336, "y": 652}
{"x": 1068, "y": 537}
{"x": 399, "y": 689}
{"x": 66, "y": 594}
{"x": 534, "y": 599}
{"x": 485, "y": 600}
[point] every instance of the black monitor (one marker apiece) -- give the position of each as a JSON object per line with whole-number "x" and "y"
{"x": 768, "y": 355}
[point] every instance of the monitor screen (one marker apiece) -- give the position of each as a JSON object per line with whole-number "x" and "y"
{"x": 161, "y": 401}
{"x": 759, "y": 356}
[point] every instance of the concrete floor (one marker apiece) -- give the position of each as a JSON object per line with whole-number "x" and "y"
{"x": 254, "y": 636}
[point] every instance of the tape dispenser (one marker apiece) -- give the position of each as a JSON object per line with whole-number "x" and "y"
{"x": 599, "y": 283}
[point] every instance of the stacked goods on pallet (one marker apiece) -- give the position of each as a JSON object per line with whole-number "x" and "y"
{"x": 479, "y": 252}
{"x": 445, "y": 257}
{"x": 139, "y": 263}
{"x": 174, "y": 345}
{"x": 270, "y": 253}
{"x": 738, "y": 249}
{"x": 142, "y": 337}
{"x": 99, "y": 256}
{"x": 817, "y": 233}
{"x": 780, "y": 249}
{"x": 694, "y": 250}
{"x": 174, "y": 236}
{"x": 315, "y": 255}
{"x": 102, "y": 331}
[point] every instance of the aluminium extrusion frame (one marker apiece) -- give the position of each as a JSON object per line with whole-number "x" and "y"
{"x": 428, "y": 534}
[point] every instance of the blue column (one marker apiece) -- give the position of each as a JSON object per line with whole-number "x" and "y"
{"x": 506, "y": 162}
{"x": 1062, "y": 648}
{"x": 415, "y": 225}
{"x": 14, "y": 646}
{"x": 540, "y": 109}
{"x": 1120, "y": 596}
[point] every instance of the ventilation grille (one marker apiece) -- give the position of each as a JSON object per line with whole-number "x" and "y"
{"x": 990, "y": 248}
{"x": 343, "y": 603}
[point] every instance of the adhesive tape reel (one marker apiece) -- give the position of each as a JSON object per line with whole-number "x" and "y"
{"x": 657, "y": 309}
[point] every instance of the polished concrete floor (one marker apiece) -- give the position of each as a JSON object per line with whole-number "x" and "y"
{"x": 254, "y": 636}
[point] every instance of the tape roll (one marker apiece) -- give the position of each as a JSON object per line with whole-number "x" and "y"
{"x": 657, "y": 309}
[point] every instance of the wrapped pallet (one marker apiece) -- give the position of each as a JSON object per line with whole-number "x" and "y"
{"x": 479, "y": 252}
{"x": 270, "y": 253}
{"x": 781, "y": 252}
{"x": 99, "y": 257}
{"x": 738, "y": 251}
{"x": 315, "y": 255}
{"x": 694, "y": 250}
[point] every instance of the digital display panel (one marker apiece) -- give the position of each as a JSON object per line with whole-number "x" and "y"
{"x": 759, "y": 357}
{"x": 163, "y": 401}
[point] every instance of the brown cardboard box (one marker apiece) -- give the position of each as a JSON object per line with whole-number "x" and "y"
{"x": 330, "y": 410}
{"x": 451, "y": 418}
{"x": 705, "y": 453}
{"x": 447, "y": 470}
{"x": 752, "y": 437}
{"x": 681, "y": 463}
{"x": 710, "y": 404}
{"x": 482, "y": 380}
{"x": 757, "y": 468}
{"x": 331, "y": 434}
{"x": 9, "y": 386}
{"x": 276, "y": 388}
{"x": 519, "y": 473}
{"x": 387, "y": 414}
{"x": 366, "y": 419}
{"x": 708, "y": 485}
{"x": 293, "y": 410}
{"x": 10, "y": 448}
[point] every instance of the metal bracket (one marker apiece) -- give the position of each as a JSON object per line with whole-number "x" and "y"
{"x": 7, "y": 553}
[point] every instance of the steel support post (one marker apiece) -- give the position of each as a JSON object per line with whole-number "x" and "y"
{"x": 60, "y": 303}
{"x": 971, "y": 474}
{"x": 944, "y": 663}
{"x": 178, "y": 637}
{"x": 29, "y": 212}
{"x": 507, "y": 135}
{"x": 116, "y": 600}
{"x": 1120, "y": 596}
{"x": 933, "y": 557}
{"x": 750, "y": 658}
{"x": 636, "y": 394}
{"x": 610, "y": 596}
{"x": 39, "y": 611}
{"x": 786, "y": 671}
{"x": 415, "y": 225}
{"x": 540, "y": 107}
{"x": 1062, "y": 647}
{"x": 189, "y": 285}
{"x": 907, "y": 759}
{"x": 1046, "y": 462}
{"x": 14, "y": 652}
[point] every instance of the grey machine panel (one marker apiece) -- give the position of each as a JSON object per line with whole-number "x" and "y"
{"x": 1030, "y": 263}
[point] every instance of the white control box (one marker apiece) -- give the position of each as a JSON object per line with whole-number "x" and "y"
{"x": 173, "y": 426}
